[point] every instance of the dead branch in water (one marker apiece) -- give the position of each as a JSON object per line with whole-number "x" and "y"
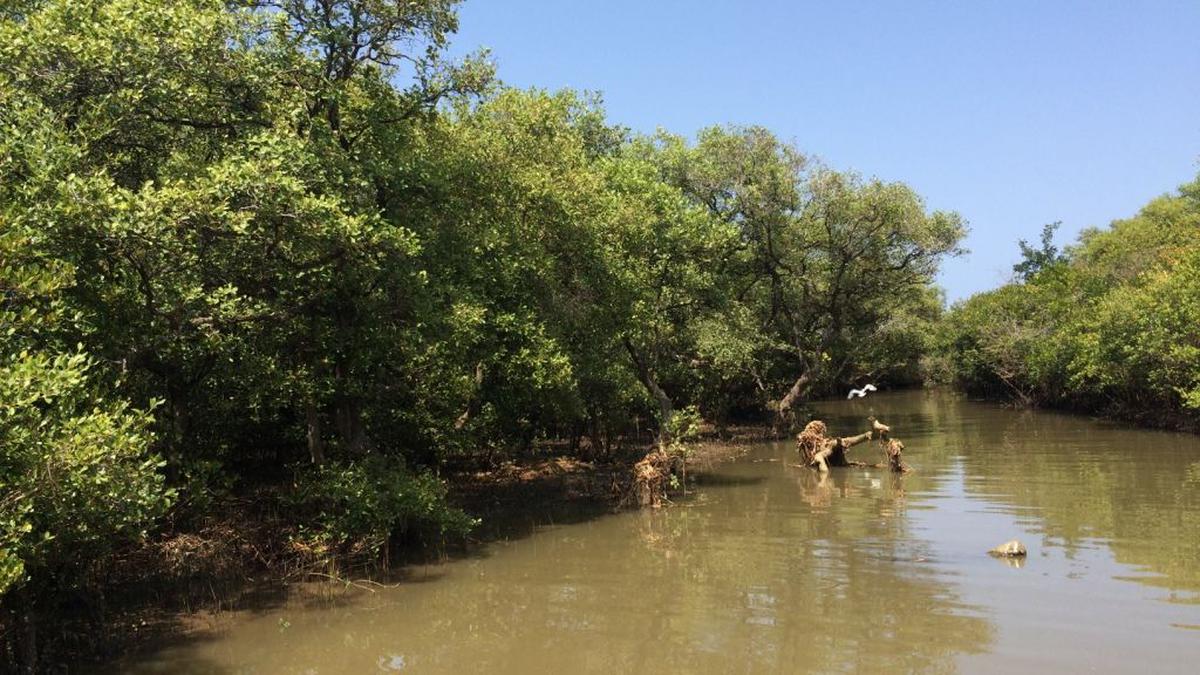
{"x": 820, "y": 451}
{"x": 660, "y": 471}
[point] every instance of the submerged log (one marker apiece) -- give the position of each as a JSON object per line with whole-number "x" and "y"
{"x": 820, "y": 451}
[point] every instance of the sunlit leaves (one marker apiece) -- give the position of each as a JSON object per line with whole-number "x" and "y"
{"x": 1111, "y": 328}
{"x": 76, "y": 472}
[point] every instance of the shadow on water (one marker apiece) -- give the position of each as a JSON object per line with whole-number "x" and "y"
{"x": 509, "y": 512}
{"x": 768, "y": 567}
{"x": 717, "y": 479}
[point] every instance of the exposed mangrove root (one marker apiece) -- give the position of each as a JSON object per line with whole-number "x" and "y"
{"x": 653, "y": 477}
{"x": 661, "y": 471}
{"x": 893, "y": 449}
{"x": 819, "y": 451}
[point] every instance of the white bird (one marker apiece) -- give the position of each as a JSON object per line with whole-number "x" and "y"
{"x": 860, "y": 392}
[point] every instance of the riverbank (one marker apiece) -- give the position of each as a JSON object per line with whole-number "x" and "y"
{"x": 1146, "y": 418}
{"x": 176, "y": 585}
{"x": 1105, "y": 327}
{"x": 1158, "y": 419}
{"x": 766, "y": 550}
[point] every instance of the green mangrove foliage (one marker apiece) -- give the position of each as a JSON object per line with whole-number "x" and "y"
{"x": 833, "y": 273}
{"x": 290, "y": 242}
{"x": 1108, "y": 326}
{"x": 77, "y": 474}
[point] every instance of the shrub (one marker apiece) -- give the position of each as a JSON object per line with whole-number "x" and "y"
{"x": 355, "y": 507}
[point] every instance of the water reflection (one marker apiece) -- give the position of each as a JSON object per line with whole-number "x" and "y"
{"x": 1080, "y": 484}
{"x": 761, "y": 572}
{"x": 1109, "y": 514}
{"x": 774, "y": 568}
{"x": 812, "y": 583}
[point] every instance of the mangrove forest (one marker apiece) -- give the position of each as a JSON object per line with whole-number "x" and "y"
{"x": 285, "y": 286}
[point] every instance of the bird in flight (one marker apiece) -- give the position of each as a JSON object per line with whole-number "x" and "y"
{"x": 860, "y": 392}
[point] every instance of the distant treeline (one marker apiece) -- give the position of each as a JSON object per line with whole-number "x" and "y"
{"x": 287, "y": 241}
{"x": 1111, "y": 325}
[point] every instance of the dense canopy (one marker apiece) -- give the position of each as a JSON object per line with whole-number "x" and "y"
{"x": 291, "y": 243}
{"x": 1112, "y": 325}
{"x": 287, "y": 249}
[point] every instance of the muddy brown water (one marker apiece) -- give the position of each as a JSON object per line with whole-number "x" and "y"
{"x": 770, "y": 568}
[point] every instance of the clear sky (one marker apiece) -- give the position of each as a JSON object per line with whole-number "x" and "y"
{"x": 1012, "y": 113}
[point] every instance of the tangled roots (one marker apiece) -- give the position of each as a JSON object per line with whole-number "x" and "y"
{"x": 893, "y": 448}
{"x": 811, "y": 440}
{"x": 652, "y": 479}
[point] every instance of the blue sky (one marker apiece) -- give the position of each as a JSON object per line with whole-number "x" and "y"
{"x": 1014, "y": 114}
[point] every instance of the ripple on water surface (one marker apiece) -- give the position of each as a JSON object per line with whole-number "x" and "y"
{"x": 773, "y": 568}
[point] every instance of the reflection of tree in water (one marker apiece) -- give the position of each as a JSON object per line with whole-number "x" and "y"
{"x": 815, "y": 573}
{"x": 748, "y": 577}
{"x": 774, "y": 569}
{"x": 1087, "y": 481}
{"x": 820, "y": 490}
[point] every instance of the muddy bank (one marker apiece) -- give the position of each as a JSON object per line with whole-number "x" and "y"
{"x": 536, "y": 488}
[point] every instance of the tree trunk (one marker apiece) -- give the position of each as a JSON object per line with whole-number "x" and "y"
{"x": 784, "y": 416}
{"x": 576, "y": 437}
{"x": 597, "y": 437}
{"x": 813, "y": 370}
{"x": 666, "y": 409}
{"x": 473, "y": 402}
{"x": 179, "y": 408}
{"x": 348, "y": 416}
{"x": 799, "y": 387}
{"x": 312, "y": 420}
{"x": 834, "y": 452}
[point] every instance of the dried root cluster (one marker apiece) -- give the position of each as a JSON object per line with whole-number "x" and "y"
{"x": 820, "y": 451}
{"x": 653, "y": 476}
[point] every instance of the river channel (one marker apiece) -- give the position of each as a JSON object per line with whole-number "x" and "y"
{"x": 767, "y": 567}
